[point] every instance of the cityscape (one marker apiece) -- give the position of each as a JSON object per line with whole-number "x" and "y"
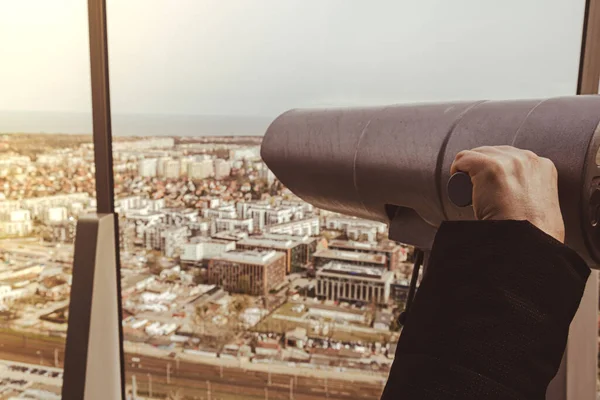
{"x": 232, "y": 287}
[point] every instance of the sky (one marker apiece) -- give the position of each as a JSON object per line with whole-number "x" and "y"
{"x": 262, "y": 57}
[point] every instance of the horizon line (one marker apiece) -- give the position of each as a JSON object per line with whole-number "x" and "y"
{"x": 139, "y": 113}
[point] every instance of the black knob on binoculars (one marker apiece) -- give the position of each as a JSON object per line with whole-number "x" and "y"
{"x": 460, "y": 189}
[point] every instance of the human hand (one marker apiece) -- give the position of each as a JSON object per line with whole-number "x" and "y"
{"x": 513, "y": 184}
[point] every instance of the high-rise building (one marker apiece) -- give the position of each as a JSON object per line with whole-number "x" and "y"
{"x": 172, "y": 169}
{"x": 201, "y": 169}
{"x": 232, "y": 224}
{"x": 245, "y": 153}
{"x": 251, "y": 272}
{"x": 153, "y": 143}
{"x": 307, "y": 246}
{"x": 147, "y": 167}
{"x": 346, "y": 282}
{"x": 185, "y": 165}
{"x": 258, "y": 213}
{"x": 267, "y": 174}
{"x": 16, "y": 223}
{"x": 308, "y": 226}
{"x": 222, "y": 168}
{"x": 294, "y": 248}
{"x": 172, "y": 240}
{"x": 225, "y": 211}
{"x": 38, "y": 205}
{"x": 201, "y": 248}
{"x": 180, "y": 216}
{"x": 161, "y": 163}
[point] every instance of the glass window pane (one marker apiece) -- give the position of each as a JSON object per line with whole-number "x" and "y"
{"x": 230, "y": 287}
{"x": 46, "y": 174}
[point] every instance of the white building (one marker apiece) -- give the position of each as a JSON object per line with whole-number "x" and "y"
{"x": 19, "y": 216}
{"x": 155, "y": 205}
{"x": 160, "y": 165}
{"x": 8, "y": 294}
{"x": 56, "y": 214}
{"x": 307, "y": 226}
{"x": 11, "y": 160}
{"x": 201, "y": 169}
{"x": 9, "y": 205}
{"x": 152, "y": 143}
{"x": 222, "y": 168}
{"x": 343, "y": 223}
{"x": 200, "y": 228}
{"x": 151, "y": 236}
{"x": 201, "y": 248}
{"x": 185, "y": 164}
{"x": 147, "y": 167}
{"x": 227, "y": 211}
{"x": 172, "y": 169}
{"x": 16, "y": 223}
{"x": 346, "y": 282}
{"x": 267, "y": 174}
{"x": 50, "y": 159}
{"x": 281, "y": 215}
{"x": 246, "y": 153}
{"x": 172, "y": 240}
{"x": 231, "y": 224}
{"x": 366, "y": 233}
{"x": 128, "y": 202}
{"x": 38, "y": 205}
{"x": 180, "y": 216}
{"x": 143, "y": 221}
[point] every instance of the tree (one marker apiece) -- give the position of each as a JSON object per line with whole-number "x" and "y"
{"x": 177, "y": 395}
{"x": 201, "y": 311}
{"x": 236, "y": 307}
{"x": 370, "y": 314}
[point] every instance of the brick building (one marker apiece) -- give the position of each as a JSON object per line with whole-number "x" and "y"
{"x": 247, "y": 271}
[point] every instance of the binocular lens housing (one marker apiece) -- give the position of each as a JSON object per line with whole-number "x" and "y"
{"x": 392, "y": 164}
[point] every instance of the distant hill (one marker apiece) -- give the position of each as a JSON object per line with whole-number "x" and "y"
{"x": 134, "y": 124}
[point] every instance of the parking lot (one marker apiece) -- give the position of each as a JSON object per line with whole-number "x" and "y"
{"x": 30, "y": 370}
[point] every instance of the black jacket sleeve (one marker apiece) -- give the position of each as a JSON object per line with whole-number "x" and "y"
{"x": 491, "y": 317}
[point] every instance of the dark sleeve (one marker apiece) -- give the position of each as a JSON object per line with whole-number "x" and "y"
{"x": 491, "y": 317}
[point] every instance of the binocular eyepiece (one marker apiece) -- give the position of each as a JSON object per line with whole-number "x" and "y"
{"x": 392, "y": 164}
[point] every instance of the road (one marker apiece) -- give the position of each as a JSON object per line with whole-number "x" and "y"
{"x": 193, "y": 380}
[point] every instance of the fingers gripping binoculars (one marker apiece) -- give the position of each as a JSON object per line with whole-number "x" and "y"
{"x": 392, "y": 164}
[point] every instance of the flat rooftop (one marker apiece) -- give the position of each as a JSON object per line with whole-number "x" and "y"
{"x": 294, "y": 222}
{"x": 365, "y": 246}
{"x": 182, "y": 210}
{"x": 305, "y": 239}
{"x": 255, "y": 257}
{"x": 230, "y": 235}
{"x": 202, "y": 239}
{"x": 339, "y": 268}
{"x": 353, "y": 220}
{"x": 134, "y": 214}
{"x": 267, "y": 243}
{"x": 351, "y": 256}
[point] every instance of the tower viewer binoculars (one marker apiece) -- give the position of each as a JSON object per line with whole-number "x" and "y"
{"x": 392, "y": 164}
